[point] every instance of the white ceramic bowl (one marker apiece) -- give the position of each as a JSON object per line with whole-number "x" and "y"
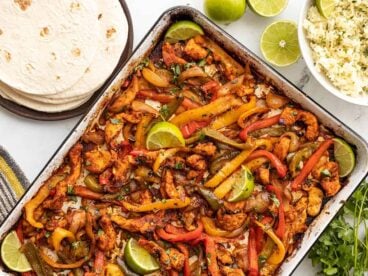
{"x": 307, "y": 55}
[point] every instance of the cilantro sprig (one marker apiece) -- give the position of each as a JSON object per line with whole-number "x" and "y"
{"x": 343, "y": 247}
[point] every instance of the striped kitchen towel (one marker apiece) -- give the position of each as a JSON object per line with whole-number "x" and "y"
{"x": 13, "y": 183}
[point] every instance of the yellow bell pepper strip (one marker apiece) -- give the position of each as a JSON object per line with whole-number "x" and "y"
{"x": 233, "y": 115}
{"x": 163, "y": 204}
{"x": 226, "y": 186}
{"x": 206, "y": 112}
{"x": 42, "y": 194}
{"x": 140, "y": 135}
{"x": 154, "y": 78}
{"x": 32, "y": 205}
{"x": 113, "y": 270}
{"x": 229, "y": 168}
{"x": 247, "y": 114}
{"x": 211, "y": 229}
{"x": 278, "y": 256}
{"x": 58, "y": 235}
{"x": 256, "y": 163}
{"x": 264, "y": 143}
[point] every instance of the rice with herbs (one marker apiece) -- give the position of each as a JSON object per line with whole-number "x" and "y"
{"x": 340, "y": 45}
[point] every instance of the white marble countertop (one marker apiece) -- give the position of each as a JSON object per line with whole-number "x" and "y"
{"x": 32, "y": 143}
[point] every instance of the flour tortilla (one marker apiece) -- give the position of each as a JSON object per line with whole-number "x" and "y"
{"x": 113, "y": 35}
{"x": 49, "y": 108}
{"x": 47, "y": 47}
{"x": 44, "y": 100}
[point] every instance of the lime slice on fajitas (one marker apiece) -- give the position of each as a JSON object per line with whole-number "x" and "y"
{"x": 164, "y": 135}
{"x": 183, "y": 30}
{"x": 11, "y": 255}
{"x": 243, "y": 186}
{"x": 139, "y": 259}
{"x": 344, "y": 156}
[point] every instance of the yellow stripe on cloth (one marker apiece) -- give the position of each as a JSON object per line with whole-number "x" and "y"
{"x": 11, "y": 177}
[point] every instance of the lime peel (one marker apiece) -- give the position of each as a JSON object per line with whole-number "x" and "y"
{"x": 243, "y": 187}
{"x": 183, "y": 30}
{"x": 267, "y": 8}
{"x": 12, "y": 257}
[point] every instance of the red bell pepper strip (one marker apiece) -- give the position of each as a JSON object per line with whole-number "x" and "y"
{"x": 183, "y": 249}
{"x": 173, "y": 273}
{"x": 181, "y": 237}
{"x": 86, "y": 193}
{"x": 309, "y": 165}
{"x": 252, "y": 254}
{"x": 191, "y": 127}
{"x": 276, "y": 163}
{"x": 153, "y": 95}
{"x": 99, "y": 262}
{"x": 19, "y": 231}
{"x": 189, "y": 104}
{"x": 260, "y": 233}
{"x": 258, "y": 125}
{"x": 280, "y": 231}
{"x": 211, "y": 256}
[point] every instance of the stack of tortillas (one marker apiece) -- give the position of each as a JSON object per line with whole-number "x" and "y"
{"x": 55, "y": 54}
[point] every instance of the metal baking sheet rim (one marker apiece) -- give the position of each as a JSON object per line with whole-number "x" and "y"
{"x": 242, "y": 54}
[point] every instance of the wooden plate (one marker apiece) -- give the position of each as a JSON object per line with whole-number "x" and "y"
{"x": 44, "y": 116}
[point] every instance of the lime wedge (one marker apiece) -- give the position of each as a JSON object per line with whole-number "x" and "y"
{"x": 243, "y": 186}
{"x": 344, "y": 156}
{"x": 182, "y": 30}
{"x": 12, "y": 257}
{"x": 267, "y": 8}
{"x": 164, "y": 135}
{"x": 326, "y": 7}
{"x": 279, "y": 43}
{"x": 139, "y": 259}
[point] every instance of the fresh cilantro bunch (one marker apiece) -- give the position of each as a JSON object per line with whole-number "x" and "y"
{"x": 343, "y": 247}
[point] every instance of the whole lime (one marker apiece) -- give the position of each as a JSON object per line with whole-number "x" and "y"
{"x": 224, "y": 11}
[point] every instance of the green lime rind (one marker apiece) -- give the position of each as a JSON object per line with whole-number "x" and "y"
{"x": 279, "y": 43}
{"x": 139, "y": 259}
{"x": 183, "y": 30}
{"x": 224, "y": 11}
{"x": 12, "y": 257}
{"x": 344, "y": 156}
{"x": 267, "y": 8}
{"x": 326, "y": 7}
{"x": 243, "y": 186}
{"x": 164, "y": 135}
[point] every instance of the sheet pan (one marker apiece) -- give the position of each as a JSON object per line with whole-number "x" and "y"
{"x": 242, "y": 54}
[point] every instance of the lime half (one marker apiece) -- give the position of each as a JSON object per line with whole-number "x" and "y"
{"x": 344, "y": 156}
{"x": 225, "y": 11}
{"x": 12, "y": 257}
{"x": 138, "y": 258}
{"x": 164, "y": 135}
{"x": 243, "y": 186}
{"x": 267, "y": 8}
{"x": 183, "y": 30}
{"x": 279, "y": 43}
{"x": 326, "y": 7}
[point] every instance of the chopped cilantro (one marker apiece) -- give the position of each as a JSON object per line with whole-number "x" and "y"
{"x": 70, "y": 190}
{"x": 164, "y": 111}
{"x": 275, "y": 200}
{"x": 179, "y": 166}
{"x": 202, "y": 63}
{"x": 326, "y": 173}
